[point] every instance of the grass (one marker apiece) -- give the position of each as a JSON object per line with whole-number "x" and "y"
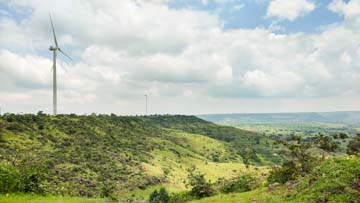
{"x": 186, "y": 150}
{"x": 259, "y": 195}
{"x": 28, "y": 198}
{"x": 181, "y": 151}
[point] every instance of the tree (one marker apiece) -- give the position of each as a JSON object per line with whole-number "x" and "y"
{"x": 200, "y": 187}
{"x": 159, "y": 197}
{"x": 154, "y": 197}
{"x": 288, "y": 171}
{"x": 300, "y": 155}
{"x": 163, "y": 196}
{"x": 353, "y": 147}
{"x": 325, "y": 143}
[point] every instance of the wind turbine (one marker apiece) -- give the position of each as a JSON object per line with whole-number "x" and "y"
{"x": 146, "y": 104}
{"x": 54, "y": 49}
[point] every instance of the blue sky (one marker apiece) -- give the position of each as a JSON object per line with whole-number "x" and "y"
{"x": 190, "y": 57}
{"x": 252, "y": 14}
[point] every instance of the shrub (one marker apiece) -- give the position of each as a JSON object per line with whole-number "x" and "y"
{"x": 9, "y": 179}
{"x": 353, "y": 147}
{"x": 242, "y": 184}
{"x": 287, "y": 172}
{"x": 181, "y": 197}
{"x": 159, "y": 197}
{"x": 200, "y": 187}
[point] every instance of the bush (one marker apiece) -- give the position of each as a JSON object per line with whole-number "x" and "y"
{"x": 9, "y": 179}
{"x": 283, "y": 174}
{"x": 159, "y": 197}
{"x": 181, "y": 197}
{"x": 200, "y": 187}
{"x": 242, "y": 184}
{"x": 353, "y": 147}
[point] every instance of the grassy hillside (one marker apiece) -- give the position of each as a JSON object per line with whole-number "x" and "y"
{"x": 248, "y": 145}
{"x": 335, "y": 181}
{"x": 26, "y": 198}
{"x": 120, "y": 157}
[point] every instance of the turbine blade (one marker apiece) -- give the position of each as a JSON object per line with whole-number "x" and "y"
{"x": 65, "y": 54}
{"x": 53, "y": 29}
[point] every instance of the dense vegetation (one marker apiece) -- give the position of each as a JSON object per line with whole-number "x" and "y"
{"x": 109, "y": 156}
{"x": 170, "y": 159}
{"x": 252, "y": 147}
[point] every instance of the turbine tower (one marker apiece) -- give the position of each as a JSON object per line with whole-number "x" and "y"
{"x": 146, "y": 104}
{"x": 54, "y": 49}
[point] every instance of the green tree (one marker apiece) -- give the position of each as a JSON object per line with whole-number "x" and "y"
{"x": 159, "y": 197}
{"x": 163, "y": 196}
{"x": 199, "y": 186}
{"x": 325, "y": 143}
{"x": 154, "y": 197}
{"x": 243, "y": 183}
{"x": 353, "y": 147}
{"x": 288, "y": 171}
{"x": 9, "y": 179}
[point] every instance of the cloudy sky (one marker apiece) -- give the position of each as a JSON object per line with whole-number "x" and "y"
{"x": 189, "y": 56}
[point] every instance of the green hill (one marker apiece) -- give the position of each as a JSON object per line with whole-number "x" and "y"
{"x": 121, "y": 157}
{"x": 249, "y": 145}
{"x": 335, "y": 181}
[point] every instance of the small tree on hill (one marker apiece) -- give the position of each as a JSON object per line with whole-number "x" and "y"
{"x": 325, "y": 143}
{"x": 163, "y": 196}
{"x": 199, "y": 186}
{"x": 154, "y": 197}
{"x": 353, "y": 147}
{"x": 159, "y": 197}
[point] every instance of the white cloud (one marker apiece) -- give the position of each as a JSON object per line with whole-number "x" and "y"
{"x": 349, "y": 10}
{"x": 270, "y": 85}
{"x": 126, "y": 49}
{"x": 289, "y": 9}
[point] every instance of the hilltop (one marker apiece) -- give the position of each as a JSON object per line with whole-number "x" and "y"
{"x": 124, "y": 157}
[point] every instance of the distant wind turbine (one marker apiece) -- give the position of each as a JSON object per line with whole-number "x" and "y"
{"x": 146, "y": 104}
{"x": 54, "y": 50}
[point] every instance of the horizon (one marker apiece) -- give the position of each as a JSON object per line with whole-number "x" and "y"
{"x": 208, "y": 57}
{"x": 232, "y": 113}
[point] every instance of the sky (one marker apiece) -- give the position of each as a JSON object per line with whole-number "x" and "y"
{"x": 188, "y": 56}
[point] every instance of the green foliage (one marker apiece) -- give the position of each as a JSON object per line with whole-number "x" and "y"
{"x": 159, "y": 197}
{"x": 334, "y": 180}
{"x": 325, "y": 143}
{"x": 32, "y": 198}
{"x": 78, "y": 155}
{"x": 249, "y": 145}
{"x": 181, "y": 197}
{"x": 9, "y": 179}
{"x": 109, "y": 155}
{"x": 302, "y": 161}
{"x": 31, "y": 179}
{"x": 154, "y": 197}
{"x": 353, "y": 147}
{"x": 301, "y": 158}
{"x": 243, "y": 183}
{"x": 288, "y": 171}
{"x": 199, "y": 186}
{"x": 19, "y": 179}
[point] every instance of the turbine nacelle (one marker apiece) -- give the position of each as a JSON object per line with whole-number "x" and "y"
{"x": 51, "y": 48}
